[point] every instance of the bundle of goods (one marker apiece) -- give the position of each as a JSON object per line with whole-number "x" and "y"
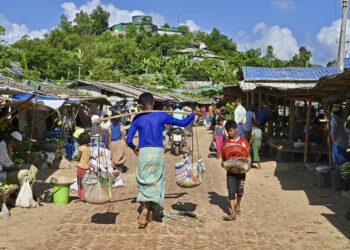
{"x": 97, "y": 186}
{"x": 101, "y": 160}
{"x": 235, "y": 158}
{"x": 189, "y": 175}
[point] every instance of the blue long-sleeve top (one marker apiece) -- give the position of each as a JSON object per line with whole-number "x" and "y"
{"x": 150, "y": 128}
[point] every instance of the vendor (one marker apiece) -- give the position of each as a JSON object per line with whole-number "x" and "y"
{"x": 8, "y": 171}
{"x": 338, "y": 136}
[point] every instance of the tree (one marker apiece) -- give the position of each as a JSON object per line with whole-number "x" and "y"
{"x": 269, "y": 53}
{"x": 99, "y": 19}
{"x": 302, "y": 59}
{"x": 65, "y": 25}
{"x": 331, "y": 63}
{"x": 83, "y": 23}
{"x": 2, "y": 31}
{"x": 166, "y": 25}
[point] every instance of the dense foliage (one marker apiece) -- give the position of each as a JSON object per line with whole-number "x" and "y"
{"x": 87, "y": 41}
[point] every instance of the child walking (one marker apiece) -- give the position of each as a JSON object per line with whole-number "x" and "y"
{"x": 218, "y": 136}
{"x": 235, "y": 181}
{"x": 255, "y": 142}
{"x": 83, "y": 161}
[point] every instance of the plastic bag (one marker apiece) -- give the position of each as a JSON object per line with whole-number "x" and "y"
{"x": 97, "y": 187}
{"x": 212, "y": 147}
{"x": 237, "y": 165}
{"x": 189, "y": 175}
{"x": 5, "y": 213}
{"x": 25, "y": 196}
{"x": 64, "y": 164}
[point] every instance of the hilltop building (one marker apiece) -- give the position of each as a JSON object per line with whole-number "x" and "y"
{"x": 147, "y": 23}
{"x": 200, "y": 52}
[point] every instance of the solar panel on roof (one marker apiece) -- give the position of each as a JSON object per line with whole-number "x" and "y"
{"x": 292, "y": 73}
{"x": 15, "y": 72}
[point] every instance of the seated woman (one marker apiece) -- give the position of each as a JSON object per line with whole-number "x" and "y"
{"x": 8, "y": 171}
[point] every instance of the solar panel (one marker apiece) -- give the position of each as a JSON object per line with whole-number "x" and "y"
{"x": 292, "y": 73}
{"x": 15, "y": 72}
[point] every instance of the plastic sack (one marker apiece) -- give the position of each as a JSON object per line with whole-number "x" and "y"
{"x": 64, "y": 164}
{"x": 189, "y": 175}
{"x": 97, "y": 187}
{"x": 25, "y": 196}
{"x": 4, "y": 213}
{"x": 212, "y": 147}
{"x": 237, "y": 165}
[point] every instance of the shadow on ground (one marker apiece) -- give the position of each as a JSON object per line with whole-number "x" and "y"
{"x": 294, "y": 176}
{"x": 187, "y": 206}
{"x": 220, "y": 201}
{"x": 104, "y": 218}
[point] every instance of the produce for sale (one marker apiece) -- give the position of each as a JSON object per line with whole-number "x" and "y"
{"x": 4, "y": 186}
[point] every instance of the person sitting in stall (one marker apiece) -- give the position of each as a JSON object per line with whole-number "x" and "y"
{"x": 8, "y": 171}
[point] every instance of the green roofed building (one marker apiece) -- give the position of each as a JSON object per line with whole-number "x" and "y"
{"x": 147, "y": 23}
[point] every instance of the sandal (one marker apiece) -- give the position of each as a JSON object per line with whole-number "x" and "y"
{"x": 229, "y": 218}
{"x": 142, "y": 219}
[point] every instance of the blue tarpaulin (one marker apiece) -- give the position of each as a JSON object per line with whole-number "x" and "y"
{"x": 39, "y": 98}
{"x": 46, "y": 102}
{"x": 15, "y": 72}
{"x": 287, "y": 74}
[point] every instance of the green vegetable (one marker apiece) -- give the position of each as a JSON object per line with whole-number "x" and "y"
{"x": 4, "y": 186}
{"x": 345, "y": 169}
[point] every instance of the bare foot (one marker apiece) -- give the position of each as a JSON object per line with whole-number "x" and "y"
{"x": 150, "y": 216}
{"x": 143, "y": 217}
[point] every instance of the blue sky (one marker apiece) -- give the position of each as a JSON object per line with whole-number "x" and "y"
{"x": 285, "y": 24}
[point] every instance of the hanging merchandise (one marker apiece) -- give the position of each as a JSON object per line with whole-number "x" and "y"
{"x": 98, "y": 181}
{"x": 25, "y": 196}
{"x": 187, "y": 174}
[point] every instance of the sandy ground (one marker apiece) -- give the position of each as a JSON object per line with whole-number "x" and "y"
{"x": 281, "y": 209}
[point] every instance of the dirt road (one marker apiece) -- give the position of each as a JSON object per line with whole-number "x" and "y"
{"x": 280, "y": 210}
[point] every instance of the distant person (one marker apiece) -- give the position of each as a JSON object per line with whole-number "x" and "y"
{"x": 255, "y": 142}
{"x": 250, "y": 117}
{"x": 263, "y": 116}
{"x": 240, "y": 117}
{"x": 117, "y": 143}
{"x": 84, "y": 153}
{"x": 218, "y": 136}
{"x": 339, "y": 136}
{"x": 105, "y": 125}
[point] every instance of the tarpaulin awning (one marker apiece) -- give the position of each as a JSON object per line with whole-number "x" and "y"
{"x": 49, "y": 102}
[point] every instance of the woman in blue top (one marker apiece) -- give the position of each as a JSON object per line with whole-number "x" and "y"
{"x": 150, "y": 172}
{"x": 117, "y": 143}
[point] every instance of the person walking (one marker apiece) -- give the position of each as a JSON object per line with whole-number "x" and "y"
{"x": 338, "y": 136}
{"x": 240, "y": 117}
{"x": 150, "y": 171}
{"x": 250, "y": 117}
{"x": 117, "y": 143}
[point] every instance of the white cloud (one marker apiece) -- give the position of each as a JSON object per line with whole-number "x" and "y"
{"x": 15, "y": 31}
{"x": 328, "y": 38}
{"x": 191, "y": 25}
{"x": 116, "y": 15}
{"x": 284, "y": 43}
{"x": 285, "y": 5}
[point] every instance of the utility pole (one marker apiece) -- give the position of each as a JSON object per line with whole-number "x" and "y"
{"x": 79, "y": 64}
{"x": 341, "y": 50}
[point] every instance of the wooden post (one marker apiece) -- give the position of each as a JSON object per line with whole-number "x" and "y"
{"x": 253, "y": 101}
{"x": 18, "y": 113}
{"x": 247, "y": 100}
{"x": 15, "y": 110}
{"x": 39, "y": 121}
{"x": 328, "y": 116}
{"x": 308, "y": 118}
{"x": 259, "y": 101}
{"x": 291, "y": 118}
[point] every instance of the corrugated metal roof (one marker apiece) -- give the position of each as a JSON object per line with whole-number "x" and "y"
{"x": 286, "y": 74}
{"x": 347, "y": 63}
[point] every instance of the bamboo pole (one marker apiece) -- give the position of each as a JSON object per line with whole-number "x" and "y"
{"x": 253, "y": 99}
{"x": 291, "y": 118}
{"x": 15, "y": 110}
{"x": 18, "y": 113}
{"x": 308, "y": 118}
{"x": 259, "y": 101}
{"x": 39, "y": 121}
{"x": 142, "y": 112}
{"x": 329, "y": 135}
